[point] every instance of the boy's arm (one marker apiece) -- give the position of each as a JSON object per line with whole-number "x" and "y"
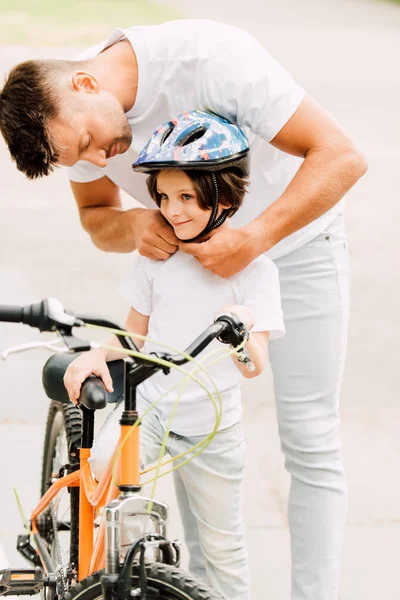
{"x": 135, "y": 323}
{"x": 256, "y": 345}
{"x": 94, "y": 362}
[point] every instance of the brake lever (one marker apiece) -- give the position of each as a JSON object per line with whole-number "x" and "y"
{"x": 52, "y": 346}
{"x": 244, "y": 357}
{"x": 237, "y": 334}
{"x": 60, "y": 346}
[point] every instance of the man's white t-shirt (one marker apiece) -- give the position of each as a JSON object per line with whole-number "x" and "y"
{"x": 182, "y": 299}
{"x": 199, "y": 64}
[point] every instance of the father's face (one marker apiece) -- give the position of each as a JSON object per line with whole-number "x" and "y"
{"x": 91, "y": 126}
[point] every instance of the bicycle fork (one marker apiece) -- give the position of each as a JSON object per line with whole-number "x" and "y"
{"x": 117, "y": 579}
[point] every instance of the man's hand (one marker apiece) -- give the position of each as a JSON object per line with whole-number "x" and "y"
{"x": 113, "y": 229}
{"x": 153, "y": 236}
{"x": 226, "y": 253}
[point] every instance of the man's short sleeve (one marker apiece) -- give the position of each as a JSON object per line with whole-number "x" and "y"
{"x": 84, "y": 172}
{"x": 137, "y": 286}
{"x": 262, "y": 296}
{"x": 244, "y": 83}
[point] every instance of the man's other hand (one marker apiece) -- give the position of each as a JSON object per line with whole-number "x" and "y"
{"x": 226, "y": 253}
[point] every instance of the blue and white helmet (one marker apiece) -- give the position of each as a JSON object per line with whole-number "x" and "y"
{"x": 195, "y": 140}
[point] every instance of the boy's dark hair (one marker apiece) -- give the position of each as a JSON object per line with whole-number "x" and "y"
{"x": 232, "y": 186}
{"x": 28, "y": 101}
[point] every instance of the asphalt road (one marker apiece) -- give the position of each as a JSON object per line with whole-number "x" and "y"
{"x": 345, "y": 54}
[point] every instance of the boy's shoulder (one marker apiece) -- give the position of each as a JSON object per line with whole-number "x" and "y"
{"x": 144, "y": 264}
{"x": 261, "y": 267}
{"x": 176, "y": 262}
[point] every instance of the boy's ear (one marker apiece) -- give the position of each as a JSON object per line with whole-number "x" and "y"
{"x": 224, "y": 203}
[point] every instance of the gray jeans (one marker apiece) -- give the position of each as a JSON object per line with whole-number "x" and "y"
{"x": 211, "y": 494}
{"x": 307, "y": 365}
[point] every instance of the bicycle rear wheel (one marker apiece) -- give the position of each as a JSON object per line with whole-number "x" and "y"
{"x": 166, "y": 581}
{"x": 62, "y": 439}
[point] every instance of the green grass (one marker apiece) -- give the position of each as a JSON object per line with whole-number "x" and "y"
{"x": 74, "y": 22}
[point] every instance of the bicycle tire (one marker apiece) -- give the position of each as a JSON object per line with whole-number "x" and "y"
{"x": 63, "y": 420}
{"x": 173, "y": 583}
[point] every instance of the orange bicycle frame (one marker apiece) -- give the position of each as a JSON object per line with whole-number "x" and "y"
{"x": 95, "y": 494}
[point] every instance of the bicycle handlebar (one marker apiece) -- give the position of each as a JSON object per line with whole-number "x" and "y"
{"x": 11, "y": 314}
{"x": 49, "y": 315}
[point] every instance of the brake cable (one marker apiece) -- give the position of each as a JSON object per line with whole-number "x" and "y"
{"x": 188, "y": 375}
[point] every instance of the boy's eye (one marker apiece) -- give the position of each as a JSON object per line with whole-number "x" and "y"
{"x": 187, "y": 196}
{"x": 163, "y": 197}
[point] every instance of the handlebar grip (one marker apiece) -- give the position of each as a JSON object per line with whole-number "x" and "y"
{"x": 93, "y": 393}
{"x": 46, "y": 315}
{"x": 34, "y": 315}
{"x": 10, "y": 313}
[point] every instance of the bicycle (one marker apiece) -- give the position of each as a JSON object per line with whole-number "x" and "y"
{"x": 101, "y": 568}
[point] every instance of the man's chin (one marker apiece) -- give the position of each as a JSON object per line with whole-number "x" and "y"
{"x": 124, "y": 146}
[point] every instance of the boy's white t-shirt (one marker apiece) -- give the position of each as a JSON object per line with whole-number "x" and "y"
{"x": 199, "y": 64}
{"x": 182, "y": 299}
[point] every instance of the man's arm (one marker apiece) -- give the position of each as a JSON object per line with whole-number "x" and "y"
{"x": 114, "y": 229}
{"x": 332, "y": 165}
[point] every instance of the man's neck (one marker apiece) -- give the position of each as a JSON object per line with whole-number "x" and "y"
{"x": 116, "y": 69}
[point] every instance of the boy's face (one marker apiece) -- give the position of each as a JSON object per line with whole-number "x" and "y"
{"x": 179, "y": 204}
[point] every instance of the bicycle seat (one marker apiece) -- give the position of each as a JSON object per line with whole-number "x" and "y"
{"x": 93, "y": 393}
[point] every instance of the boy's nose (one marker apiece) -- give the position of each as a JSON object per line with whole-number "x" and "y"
{"x": 174, "y": 208}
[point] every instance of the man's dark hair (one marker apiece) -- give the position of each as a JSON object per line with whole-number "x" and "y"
{"x": 232, "y": 186}
{"x": 28, "y": 101}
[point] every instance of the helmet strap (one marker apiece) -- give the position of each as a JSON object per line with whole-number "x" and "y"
{"x": 213, "y": 221}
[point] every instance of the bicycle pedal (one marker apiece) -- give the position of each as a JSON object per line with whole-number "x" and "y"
{"x": 21, "y": 582}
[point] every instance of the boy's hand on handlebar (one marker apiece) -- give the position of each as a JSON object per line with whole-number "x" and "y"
{"x": 154, "y": 237}
{"x": 90, "y": 363}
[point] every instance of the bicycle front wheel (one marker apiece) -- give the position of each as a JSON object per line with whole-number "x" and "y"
{"x": 59, "y": 524}
{"x": 168, "y": 583}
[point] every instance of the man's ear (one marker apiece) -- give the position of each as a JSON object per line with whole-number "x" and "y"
{"x": 86, "y": 82}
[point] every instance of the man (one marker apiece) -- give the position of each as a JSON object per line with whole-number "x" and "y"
{"x": 96, "y": 114}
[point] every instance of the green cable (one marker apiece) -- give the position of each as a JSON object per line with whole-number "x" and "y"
{"x": 204, "y": 442}
{"x": 201, "y": 445}
{"x": 160, "y": 464}
{"x": 188, "y": 375}
{"x": 169, "y": 364}
{"x": 21, "y": 512}
{"x": 164, "y": 444}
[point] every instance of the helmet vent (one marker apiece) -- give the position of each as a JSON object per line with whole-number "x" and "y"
{"x": 191, "y": 137}
{"x": 167, "y": 133}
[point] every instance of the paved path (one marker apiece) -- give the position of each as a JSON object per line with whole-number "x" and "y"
{"x": 345, "y": 53}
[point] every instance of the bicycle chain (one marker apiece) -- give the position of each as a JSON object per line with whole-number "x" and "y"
{"x": 60, "y": 575}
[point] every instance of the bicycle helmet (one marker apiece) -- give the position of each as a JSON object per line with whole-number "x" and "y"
{"x": 197, "y": 140}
